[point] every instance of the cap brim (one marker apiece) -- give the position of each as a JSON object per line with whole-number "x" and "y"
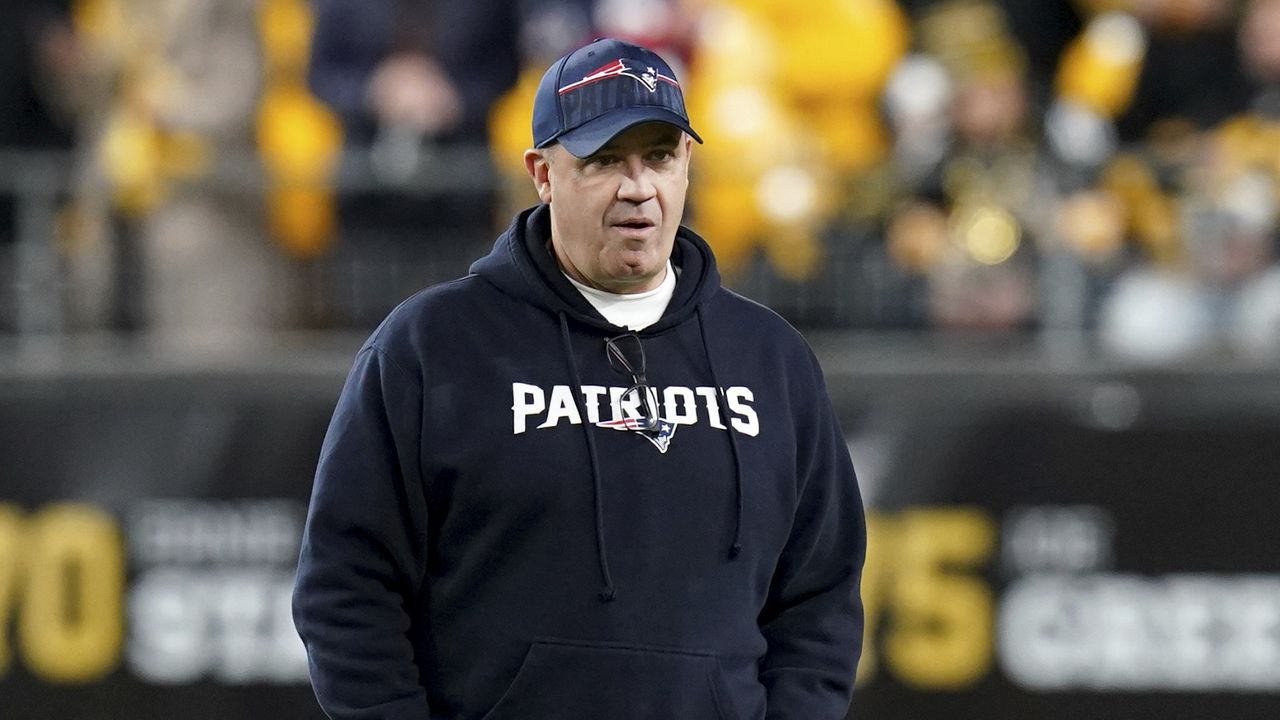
{"x": 587, "y": 139}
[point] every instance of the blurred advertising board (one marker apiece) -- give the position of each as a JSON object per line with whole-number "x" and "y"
{"x": 1032, "y": 561}
{"x": 149, "y": 528}
{"x": 1041, "y": 547}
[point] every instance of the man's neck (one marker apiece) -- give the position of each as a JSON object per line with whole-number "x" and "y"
{"x": 634, "y": 311}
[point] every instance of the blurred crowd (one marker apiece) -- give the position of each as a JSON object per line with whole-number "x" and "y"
{"x": 1104, "y": 167}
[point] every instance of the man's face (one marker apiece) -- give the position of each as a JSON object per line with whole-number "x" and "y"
{"x": 614, "y": 215}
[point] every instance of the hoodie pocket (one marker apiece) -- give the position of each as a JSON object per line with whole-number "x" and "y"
{"x": 562, "y": 679}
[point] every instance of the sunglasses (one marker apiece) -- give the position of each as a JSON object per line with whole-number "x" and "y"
{"x": 626, "y": 356}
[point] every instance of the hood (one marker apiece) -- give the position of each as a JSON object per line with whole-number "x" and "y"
{"x": 521, "y": 264}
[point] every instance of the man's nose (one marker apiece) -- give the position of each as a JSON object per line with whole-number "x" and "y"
{"x": 637, "y": 181}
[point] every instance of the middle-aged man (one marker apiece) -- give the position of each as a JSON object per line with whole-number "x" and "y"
{"x": 586, "y": 481}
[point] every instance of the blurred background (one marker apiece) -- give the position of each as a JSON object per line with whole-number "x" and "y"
{"x": 1033, "y": 243}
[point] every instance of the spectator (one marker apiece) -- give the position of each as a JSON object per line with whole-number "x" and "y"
{"x": 39, "y": 58}
{"x": 209, "y": 267}
{"x": 176, "y": 92}
{"x": 1191, "y": 71}
{"x": 966, "y": 169}
{"x": 401, "y": 73}
{"x": 1219, "y": 291}
{"x": 1041, "y": 30}
{"x": 410, "y": 78}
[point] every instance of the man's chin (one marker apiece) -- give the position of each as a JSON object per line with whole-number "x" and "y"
{"x": 634, "y": 279}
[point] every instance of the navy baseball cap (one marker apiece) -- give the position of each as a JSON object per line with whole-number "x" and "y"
{"x": 597, "y": 91}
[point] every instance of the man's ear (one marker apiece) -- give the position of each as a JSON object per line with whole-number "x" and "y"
{"x": 538, "y": 164}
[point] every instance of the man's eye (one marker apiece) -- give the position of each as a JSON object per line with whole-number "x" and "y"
{"x": 661, "y": 155}
{"x": 603, "y": 160}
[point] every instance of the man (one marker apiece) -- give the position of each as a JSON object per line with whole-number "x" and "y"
{"x": 586, "y": 481}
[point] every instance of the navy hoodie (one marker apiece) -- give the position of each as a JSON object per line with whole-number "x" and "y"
{"x": 490, "y": 537}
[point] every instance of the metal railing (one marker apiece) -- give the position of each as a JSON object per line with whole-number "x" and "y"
{"x": 41, "y": 182}
{"x": 35, "y": 181}
{"x": 857, "y": 289}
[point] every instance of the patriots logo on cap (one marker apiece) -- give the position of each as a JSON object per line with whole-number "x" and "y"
{"x": 648, "y": 76}
{"x": 661, "y": 437}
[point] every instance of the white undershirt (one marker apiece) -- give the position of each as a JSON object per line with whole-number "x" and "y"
{"x": 634, "y": 311}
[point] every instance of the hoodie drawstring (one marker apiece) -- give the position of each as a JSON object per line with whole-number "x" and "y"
{"x": 736, "y": 548}
{"x": 607, "y": 592}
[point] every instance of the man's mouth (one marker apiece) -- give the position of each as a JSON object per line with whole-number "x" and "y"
{"x": 636, "y": 223}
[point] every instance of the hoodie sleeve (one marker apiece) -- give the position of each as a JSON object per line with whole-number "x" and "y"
{"x": 363, "y": 551}
{"x": 813, "y": 618}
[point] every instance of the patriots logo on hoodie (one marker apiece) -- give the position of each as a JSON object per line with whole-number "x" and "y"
{"x": 661, "y": 437}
